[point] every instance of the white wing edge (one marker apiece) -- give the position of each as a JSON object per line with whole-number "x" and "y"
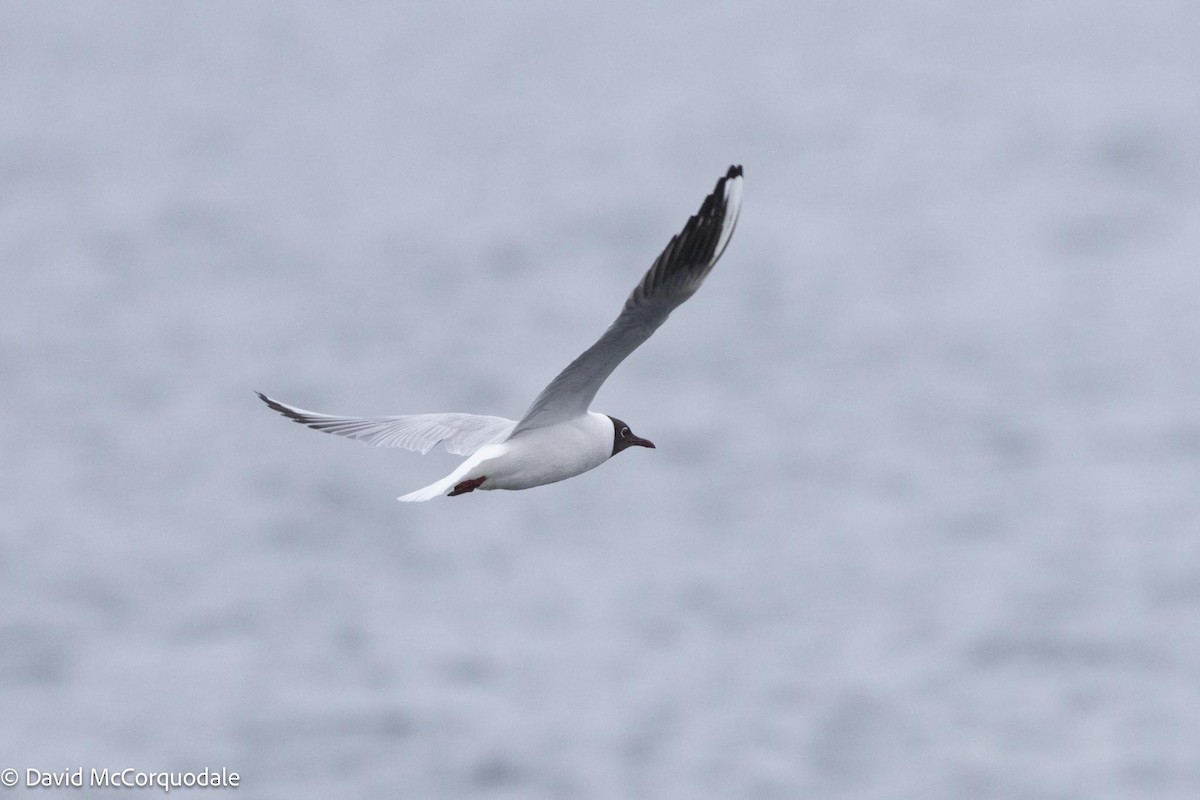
{"x": 460, "y": 434}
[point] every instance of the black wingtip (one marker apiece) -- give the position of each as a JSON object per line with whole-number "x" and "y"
{"x": 734, "y": 171}
{"x": 282, "y": 409}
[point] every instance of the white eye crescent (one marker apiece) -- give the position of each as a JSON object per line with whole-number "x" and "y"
{"x": 624, "y": 432}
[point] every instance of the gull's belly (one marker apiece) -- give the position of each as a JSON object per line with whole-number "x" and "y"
{"x": 545, "y": 455}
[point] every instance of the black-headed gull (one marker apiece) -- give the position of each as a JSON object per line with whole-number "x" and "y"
{"x": 558, "y": 437}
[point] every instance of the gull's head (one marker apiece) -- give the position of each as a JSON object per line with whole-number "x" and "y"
{"x": 623, "y": 437}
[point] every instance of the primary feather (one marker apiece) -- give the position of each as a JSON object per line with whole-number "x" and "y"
{"x": 460, "y": 434}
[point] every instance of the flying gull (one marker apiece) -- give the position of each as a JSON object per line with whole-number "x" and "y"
{"x": 558, "y": 437}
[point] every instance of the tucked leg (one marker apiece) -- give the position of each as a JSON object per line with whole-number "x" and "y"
{"x": 469, "y": 485}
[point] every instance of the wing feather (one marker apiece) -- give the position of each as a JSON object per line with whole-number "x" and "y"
{"x": 461, "y": 434}
{"x": 674, "y": 277}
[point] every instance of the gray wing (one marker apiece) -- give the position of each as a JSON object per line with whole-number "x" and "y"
{"x": 461, "y": 434}
{"x": 674, "y": 277}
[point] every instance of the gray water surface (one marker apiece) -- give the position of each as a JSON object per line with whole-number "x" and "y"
{"x": 924, "y": 520}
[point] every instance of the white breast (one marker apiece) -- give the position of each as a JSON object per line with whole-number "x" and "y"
{"x": 544, "y": 455}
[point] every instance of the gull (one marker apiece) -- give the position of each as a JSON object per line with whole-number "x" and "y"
{"x": 558, "y": 437}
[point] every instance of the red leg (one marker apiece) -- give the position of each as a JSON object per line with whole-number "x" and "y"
{"x": 468, "y": 485}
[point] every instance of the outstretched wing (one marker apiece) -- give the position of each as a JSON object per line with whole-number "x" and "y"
{"x": 674, "y": 277}
{"x": 461, "y": 434}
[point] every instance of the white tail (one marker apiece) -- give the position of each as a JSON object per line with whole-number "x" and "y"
{"x": 447, "y": 483}
{"x": 429, "y": 492}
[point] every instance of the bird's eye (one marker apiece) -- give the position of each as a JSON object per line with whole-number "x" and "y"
{"x": 624, "y": 432}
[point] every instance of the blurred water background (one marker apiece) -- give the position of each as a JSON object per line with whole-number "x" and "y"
{"x": 924, "y": 520}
